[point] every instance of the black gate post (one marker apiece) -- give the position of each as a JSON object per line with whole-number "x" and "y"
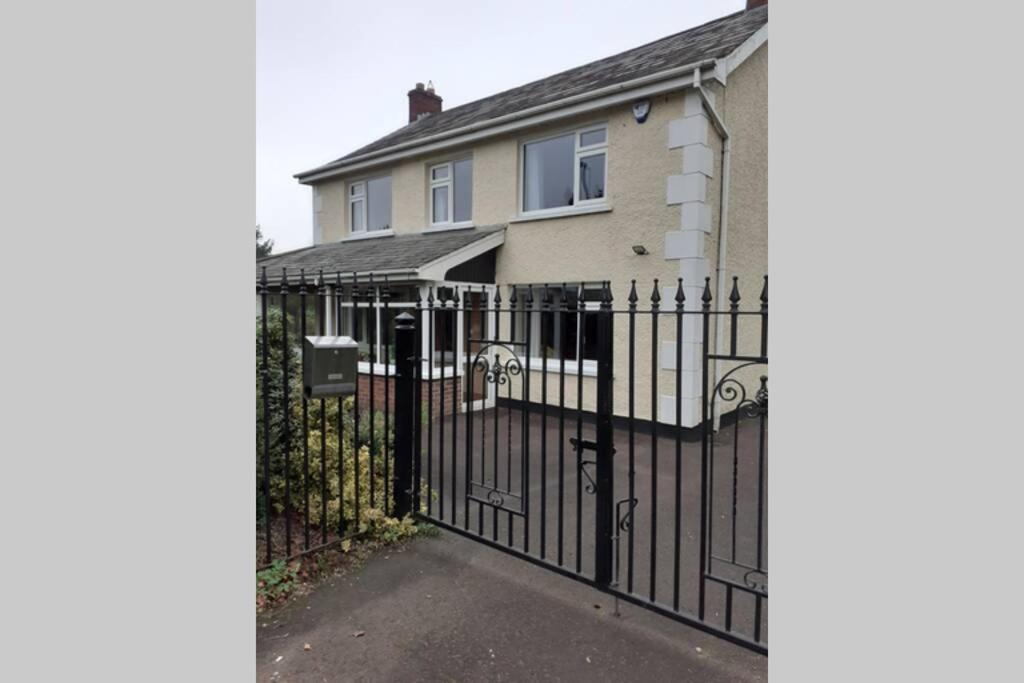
{"x": 405, "y": 399}
{"x": 605, "y": 503}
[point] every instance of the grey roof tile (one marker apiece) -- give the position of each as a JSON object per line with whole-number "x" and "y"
{"x": 400, "y": 252}
{"x": 714, "y": 39}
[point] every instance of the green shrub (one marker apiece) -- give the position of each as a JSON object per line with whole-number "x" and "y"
{"x": 326, "y": 459}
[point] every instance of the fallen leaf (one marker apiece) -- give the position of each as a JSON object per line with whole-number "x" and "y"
{"x": 359, "y": 634}
{"x": 588, "y": 660}
{"x": 279, "y": 658}
{"x": 307, "y": 647}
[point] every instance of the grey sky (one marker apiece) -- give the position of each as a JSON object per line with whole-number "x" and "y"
{"x": 333, "y": 76}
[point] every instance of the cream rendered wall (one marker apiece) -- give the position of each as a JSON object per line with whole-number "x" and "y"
{"x": 744, "y": 106}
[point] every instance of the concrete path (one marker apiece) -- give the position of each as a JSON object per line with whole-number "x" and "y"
{"x": 450, "y": 609}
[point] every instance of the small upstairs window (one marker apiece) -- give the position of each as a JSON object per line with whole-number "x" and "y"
{"x": 369, "y": 205}
{"x": 451, "y": 193}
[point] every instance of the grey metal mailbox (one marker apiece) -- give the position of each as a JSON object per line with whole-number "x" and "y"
{"x": 330, "y": 367}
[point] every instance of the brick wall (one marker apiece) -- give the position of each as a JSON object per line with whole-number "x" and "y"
{"x": 378, "y": 393}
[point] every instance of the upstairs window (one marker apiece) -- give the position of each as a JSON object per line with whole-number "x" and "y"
{"x": 451, "y": 193}
{"x": 369, "y": 205}
{"x": 565, "y": 170}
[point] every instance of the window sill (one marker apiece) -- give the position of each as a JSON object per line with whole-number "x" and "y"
{"x": 369, "y": 235}
{"x": 562, "y": 213}
{"x": 449, "y": 228}
{"x": 555, "y": 366}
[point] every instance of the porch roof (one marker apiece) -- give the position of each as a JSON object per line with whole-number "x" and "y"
{"x": 420, "y": 256}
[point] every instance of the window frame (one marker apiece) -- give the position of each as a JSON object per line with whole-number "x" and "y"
{"x": 448, "y": 182}
{"x": 579, "y": 151}
{"x": 536, "y": 362}
{"x": 364, "y": 197}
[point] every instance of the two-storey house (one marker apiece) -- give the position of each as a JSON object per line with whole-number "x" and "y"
{"x": 647, "y": 164}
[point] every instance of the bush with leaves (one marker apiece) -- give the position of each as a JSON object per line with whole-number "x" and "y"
{"x": 325, "y": 453}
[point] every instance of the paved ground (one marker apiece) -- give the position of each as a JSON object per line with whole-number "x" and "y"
{"x": 451, "y": 609}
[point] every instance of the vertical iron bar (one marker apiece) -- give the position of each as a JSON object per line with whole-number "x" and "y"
{"x": 562, "y": 334}
{"x": 728, "y": 607}
{"x": 484, "y": 303}
{"x": 546, "y": 306}
{"x": 430, "y": 401}
{"x": 385, "y": 298}
{"x": 440, "y": 421}
{"x": 285, "y": 402}
{"x": 305, "y": 410}
{"x": 735, "y": 477}
{"x": 655, "y": 304}
{"x": 265, "y": 379}
{"x": 341, "y": 430}
{"x": 455, "y": 397}
{"x": 405, "y": 341}
{"x": 678, "y": 482}
{"x": 734, "y": 307}
{"x": 760, "y": 475}
{"x": 632, "y": 428}
{"x": 418, "y": 415}
{"x": 371, "y": 323}
{"x": 467, "y": 462}
{"x": 513, "y": 299}
{"x": 705, "y": 428}
{"x": 497, "y": 336}
{"x": 356, "y": 436}
{"x": 524, "y": 472}
{"x": 764, "y": 319}
{"x": 605, "y": 471}
{"x": 321, "y": 311}
{"x": 581, "y": 327}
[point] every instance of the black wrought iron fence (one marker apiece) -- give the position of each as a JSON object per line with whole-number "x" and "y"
{"x": 622, "y": 447}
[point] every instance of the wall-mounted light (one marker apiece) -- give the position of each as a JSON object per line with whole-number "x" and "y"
{"x": 640, "y": 250}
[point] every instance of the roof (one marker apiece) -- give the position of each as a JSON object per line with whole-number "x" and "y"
{"x": 713, "y": 40}
{"x": 407, "y": 254}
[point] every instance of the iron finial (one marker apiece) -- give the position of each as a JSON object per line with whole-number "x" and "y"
{"x": 284, "y": 280}
{"x": 764, "y": 293}
{"x": 497, "y": 296}
{"x": 706, "y": 296}
{"x": 633, "y": 298}
{"x": 386, "y": 290}
{"x": 656, "y": 294}
{"x": 734, "y": 295}
{"x": 319, "y": 284}
{"x": 455, "y": 297}
{"x": 545, "y": 298}
{"x": 680, "y": 296}
{"x": 430, "y": 296}
{"x": 302, "y": 280}
{"x": 513, "y": 298}
{"x": 263, "y": 277}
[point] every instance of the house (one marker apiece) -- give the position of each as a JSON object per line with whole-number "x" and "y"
{"x": 651, "y": 163}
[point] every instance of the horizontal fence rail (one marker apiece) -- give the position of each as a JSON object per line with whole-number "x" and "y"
{"x": 622, "y": 446}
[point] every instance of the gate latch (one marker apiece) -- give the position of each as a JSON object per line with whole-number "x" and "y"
{"x": 585, "y": 445}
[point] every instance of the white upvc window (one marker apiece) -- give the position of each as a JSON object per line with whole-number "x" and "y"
{"x": 369, "y": 205}
{"x": 451, "y": 193}
{"x": 564, "y": 170}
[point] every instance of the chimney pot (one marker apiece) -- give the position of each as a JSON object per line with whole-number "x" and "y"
{"x": 751, "y": 4}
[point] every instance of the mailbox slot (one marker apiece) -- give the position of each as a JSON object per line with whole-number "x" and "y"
{"x": 331, "y": 366}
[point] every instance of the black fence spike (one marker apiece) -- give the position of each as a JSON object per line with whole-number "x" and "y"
{"x": 680, "y": 296}
{"x": 764, "y": 293}
{"x": 284, "y": 280}
{"x": 455, "y": 297}
{"x": 564, "y": 296}
{"x": 385, "y": 292}
{"x": 706, "y": 296}
{"x": 355, "y": 291}
{"x": 633, "y": 298}
{"x": 419, "y": 299}
{"x": 546, "y": 296}
{"x": 497, "y": 295}
{"x": 263, "y": 277}
{"x": 734, "y": 295}
{"x": 529, "y": 296}
{"x": 302, "y": 280}
{"x": 656, "y": 294}
{"x": 430, "y": 295}
{"x": 513, "y": 298}
{"x": 319, "y": 280}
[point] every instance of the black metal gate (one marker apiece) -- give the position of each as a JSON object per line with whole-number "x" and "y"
{"x": 553, "y": 473}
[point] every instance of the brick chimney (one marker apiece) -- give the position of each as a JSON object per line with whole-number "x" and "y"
{"x": 751, "y": 4}
{"x": 423, "y": 101}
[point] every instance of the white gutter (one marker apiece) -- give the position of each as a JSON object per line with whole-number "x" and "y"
{"x": 723, "y": 230}
{"x": 627, "y": 91}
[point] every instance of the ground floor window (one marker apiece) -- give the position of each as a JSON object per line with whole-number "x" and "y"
{"x": 562, "y": 330}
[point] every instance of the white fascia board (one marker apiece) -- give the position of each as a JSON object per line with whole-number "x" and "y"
{"x": 435, "y": 270}
{"x": 649, "y": 86}
{"x": 746, "y": 48}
